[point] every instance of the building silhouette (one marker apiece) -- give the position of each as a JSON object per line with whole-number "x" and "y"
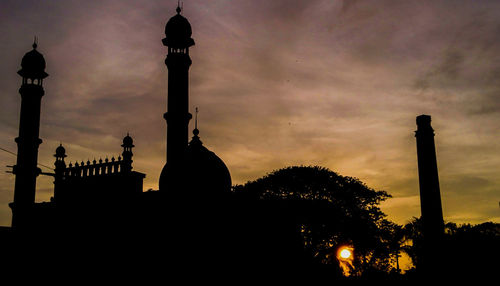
{"x": 99, "y": 210}
{"x": 430, "y": 195}
{"x": 75, "y": 186}
{"x": 26, "y": 170}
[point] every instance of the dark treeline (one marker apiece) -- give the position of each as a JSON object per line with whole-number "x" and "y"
{"x": 334, "y": 211}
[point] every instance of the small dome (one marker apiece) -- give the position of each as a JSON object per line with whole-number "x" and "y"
{"x": 128, "y": 141}
{"x": 178, "y": 32}
{"x": 60, "y": 151}
{"x": 33, "y": 65}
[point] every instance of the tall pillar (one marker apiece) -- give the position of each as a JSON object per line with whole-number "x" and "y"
{"x": 177, "y": 115}
{"x": 178, "y": 40}
{"x": 26, "y": 170}
{"x": 430, "y": 197}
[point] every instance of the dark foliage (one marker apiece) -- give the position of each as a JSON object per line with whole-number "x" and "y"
{"x": 467, "y": 251}
{"x": 333, "y": 211}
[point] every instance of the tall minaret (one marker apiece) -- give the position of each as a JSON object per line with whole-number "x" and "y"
{"x": 430, "y": 197}
{"x": 26, "y": 170}
{"x": 178, "y": 40}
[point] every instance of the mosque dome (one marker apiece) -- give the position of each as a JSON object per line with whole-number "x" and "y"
{"x": 203, "y": 174}
{"x": 178, "y": 32}
{"x": 33, "y": 65}
{"x": 204, "y": 169}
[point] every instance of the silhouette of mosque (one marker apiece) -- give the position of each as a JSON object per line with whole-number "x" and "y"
{"x": 194, "y": 221}
{"x": 101, "y": 207}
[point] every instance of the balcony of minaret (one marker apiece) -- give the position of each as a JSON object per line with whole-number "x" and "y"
{"x": 178, "y": 51}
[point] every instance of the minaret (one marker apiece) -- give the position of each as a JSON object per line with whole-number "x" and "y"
{"x": 26, "y": 170}
{"x": 178, "y": 40}
{"x": 430, "y": 197}
{"x": 128, "y": 144}
{"x": 60, "y": 167}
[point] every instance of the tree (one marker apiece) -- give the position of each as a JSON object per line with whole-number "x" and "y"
{"x": 467, "y": 251}
{"x": 332, "y": 211}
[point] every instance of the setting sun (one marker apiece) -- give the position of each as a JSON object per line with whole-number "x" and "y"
{"x": 345, "y": 259}
{"x": 345, "y": 253}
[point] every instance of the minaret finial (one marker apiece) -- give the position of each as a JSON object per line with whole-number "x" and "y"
{"x": 179, "y": 9}
{"x": 196, "y": 131}
{"x": 196, "y": 118}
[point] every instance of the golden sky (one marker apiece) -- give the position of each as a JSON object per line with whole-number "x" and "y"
{"x": 277, "y": 83}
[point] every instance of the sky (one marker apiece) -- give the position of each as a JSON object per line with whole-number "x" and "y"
{"x": 277, "y": 83}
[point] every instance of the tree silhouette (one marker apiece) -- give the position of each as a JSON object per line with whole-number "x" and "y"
{"x": 332, "y": 211}
{"x": 468, "y": 251}
{"x": 412, "y": 233}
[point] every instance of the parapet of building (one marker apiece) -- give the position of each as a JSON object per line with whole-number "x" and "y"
{"x": 103, "y": 181}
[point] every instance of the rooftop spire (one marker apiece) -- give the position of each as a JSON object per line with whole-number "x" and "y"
{"x": 196, "y": 131}
{"x": 196, "y": 118}
{"x": 179, "y": 9}
{"x": 35, "y": 42}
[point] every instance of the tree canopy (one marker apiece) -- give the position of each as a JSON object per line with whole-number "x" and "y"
{"x": 467, "y": 251}
{"x": 335, "y": 211}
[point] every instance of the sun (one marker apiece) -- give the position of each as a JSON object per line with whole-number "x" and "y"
{"x": 345, "y": 253}
{"x": 345, "y": 259}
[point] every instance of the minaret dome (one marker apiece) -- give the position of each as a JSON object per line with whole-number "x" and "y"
{"x": 33, "y": 65}
{"x": 128, "y": 141}
{"x": 178, "y": 32}
{"x": 60, "y": 152}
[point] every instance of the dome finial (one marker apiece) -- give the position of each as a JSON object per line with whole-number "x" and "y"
{"x": 196, "y": 131}
{"x": 196, "y": 118}
{"x": 35, "y": 42}
{"x": 179, "y": 9}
